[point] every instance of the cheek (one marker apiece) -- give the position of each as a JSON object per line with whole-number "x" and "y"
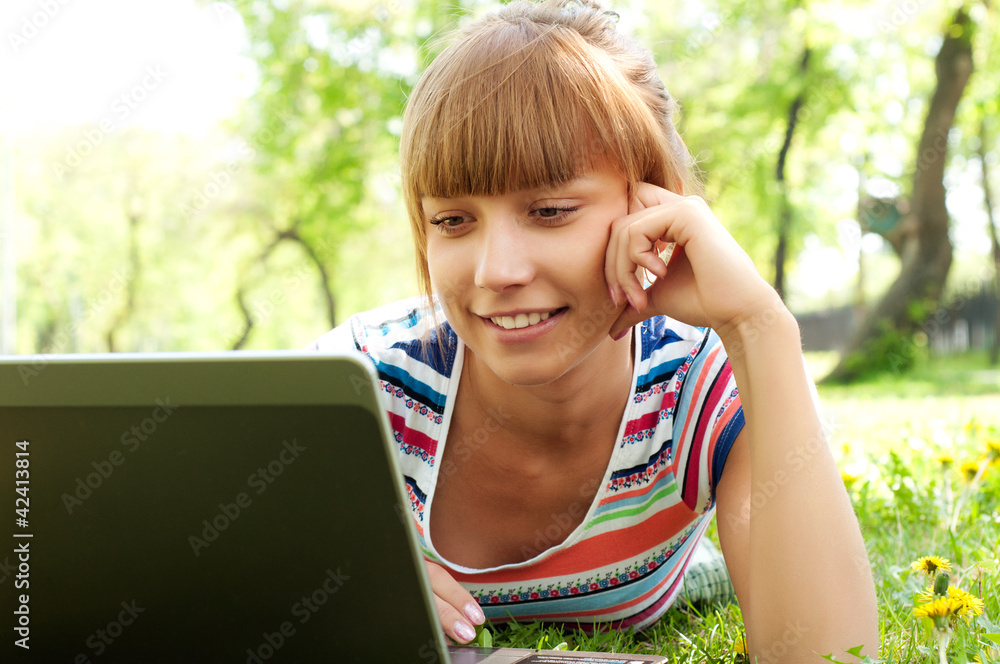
{"x": 591, "y": 255}
{"x": 444, "y": 265}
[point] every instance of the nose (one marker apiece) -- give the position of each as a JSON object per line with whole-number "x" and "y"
{"x": 504, "y": 259}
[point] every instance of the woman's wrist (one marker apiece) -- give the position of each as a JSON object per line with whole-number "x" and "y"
{"x": 770, "y": 324}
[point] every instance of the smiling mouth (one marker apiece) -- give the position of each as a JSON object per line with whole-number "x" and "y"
{"x": 522, "y": 320}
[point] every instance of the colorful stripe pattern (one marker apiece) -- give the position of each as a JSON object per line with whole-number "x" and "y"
{"x": 624, "y": 564}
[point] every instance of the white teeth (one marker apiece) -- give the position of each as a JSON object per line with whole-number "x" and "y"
{"x": 520, "y": 320}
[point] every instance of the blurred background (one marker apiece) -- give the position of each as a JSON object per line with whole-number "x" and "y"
{"x": 185, "y": 175}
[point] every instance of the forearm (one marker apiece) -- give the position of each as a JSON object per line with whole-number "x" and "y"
{"x": 810, "y": 585}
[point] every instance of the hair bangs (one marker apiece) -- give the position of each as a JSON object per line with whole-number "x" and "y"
{"x": 520, "y": 107}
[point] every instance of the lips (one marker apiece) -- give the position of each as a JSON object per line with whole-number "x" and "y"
{"x": 522, "y": 320}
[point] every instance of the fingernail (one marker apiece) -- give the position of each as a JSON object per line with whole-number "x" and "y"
{"x": 629, "y": 298}
{"x": 464, "y": 631}
{"x": 474, "y": 613}
{"x": 622, "y": 334}
{"x": 611, "y": 293}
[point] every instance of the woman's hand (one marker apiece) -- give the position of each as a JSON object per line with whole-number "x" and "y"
{"x": 456, "y": 608}
{"x": 708, "y": 281}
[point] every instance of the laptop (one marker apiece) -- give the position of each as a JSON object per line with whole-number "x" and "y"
{"x": 212, "y": 507}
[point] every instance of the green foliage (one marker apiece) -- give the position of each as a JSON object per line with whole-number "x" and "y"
{"x": 891, "y": 351}
{"x": 484, "y": 639}
{"x": 312, "y": 181}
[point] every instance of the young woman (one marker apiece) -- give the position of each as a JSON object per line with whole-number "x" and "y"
{"x": 570, "y": 408}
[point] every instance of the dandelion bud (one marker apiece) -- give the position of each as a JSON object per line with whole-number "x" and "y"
{"x": 941, "y": 584}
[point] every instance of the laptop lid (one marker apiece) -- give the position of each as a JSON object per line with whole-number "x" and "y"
{"x": 239, "y": 507}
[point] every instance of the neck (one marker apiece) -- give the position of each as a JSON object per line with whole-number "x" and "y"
{"x": 558, "y": 417}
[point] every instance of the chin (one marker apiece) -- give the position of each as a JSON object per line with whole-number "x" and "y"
{"x": 533, "y": 369}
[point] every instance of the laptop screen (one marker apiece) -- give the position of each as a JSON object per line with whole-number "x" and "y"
{"x": 179, "y": 530}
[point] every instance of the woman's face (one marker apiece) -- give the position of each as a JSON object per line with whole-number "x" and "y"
{"x": 520, "y": 276}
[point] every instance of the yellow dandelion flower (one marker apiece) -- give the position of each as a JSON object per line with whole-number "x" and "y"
{"x": 939, "y": 608}
{"x": 740, "y": 646}
{"x": 849, "y": 478}
{"x": 969, "y": 470}
{"x": 930, "y": 565}
{"x": 945, "y": 459}
{"x": 993, "y": 449}
{"x": 970, "y": 604}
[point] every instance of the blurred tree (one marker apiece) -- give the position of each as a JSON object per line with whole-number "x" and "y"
{"x": 981, "y": 144}
{"x": 108, "y": 250}
{"x": 758, "y": 88}
{"x": 883, "y": 339}
{"x": 334, "y": 78}
{"x": 991, "y": 229}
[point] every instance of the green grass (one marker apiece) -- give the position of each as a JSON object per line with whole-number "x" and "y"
{"x": 888, "y": 433}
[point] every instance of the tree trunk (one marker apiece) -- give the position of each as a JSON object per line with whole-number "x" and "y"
{"x": 290, "y": 234}
{"x": 785, "y": 215}
{"x": 994, "y": 241}
{"x": 883, "y": 339}
{"x": 131, "y": 288}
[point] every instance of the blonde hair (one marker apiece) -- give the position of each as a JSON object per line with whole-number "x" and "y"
{"x": 528, "y": 97}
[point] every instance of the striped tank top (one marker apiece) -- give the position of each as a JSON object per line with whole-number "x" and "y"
{"x": 624, "y": 563}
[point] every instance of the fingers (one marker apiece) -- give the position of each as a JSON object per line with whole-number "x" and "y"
{"x": 657, "y": 217}
{"x": 628, "y": 318}
{"x": 649, "y": 195}
{"x": 619, "y": 270}
{"x": 456, "y": 608}
{"x": 634, "y": 245}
